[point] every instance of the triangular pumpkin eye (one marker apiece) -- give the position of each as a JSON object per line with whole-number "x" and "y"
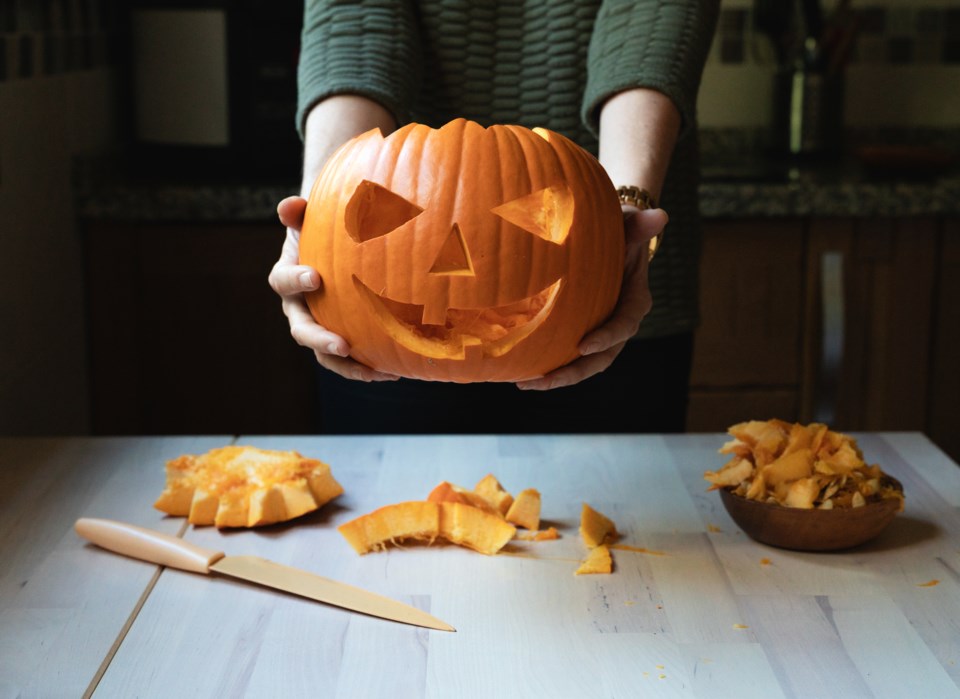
{"x": 547, "y": 213}
{"x": 374, "y": 210}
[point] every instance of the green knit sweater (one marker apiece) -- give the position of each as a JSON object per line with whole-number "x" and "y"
{"x": 549, "y": 63}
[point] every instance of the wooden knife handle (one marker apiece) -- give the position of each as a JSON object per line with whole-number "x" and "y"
{"x": 147, "y": 545}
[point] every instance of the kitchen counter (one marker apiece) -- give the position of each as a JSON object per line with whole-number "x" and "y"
{"x": 749, "y": 187}
{"x": 700, "y": 611}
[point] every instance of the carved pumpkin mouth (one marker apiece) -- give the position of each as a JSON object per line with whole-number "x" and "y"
{"x": 492, "y": 331}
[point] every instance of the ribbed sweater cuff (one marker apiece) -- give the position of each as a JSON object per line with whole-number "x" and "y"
{"x": 657, "y": 45}
{"x": 366, "y": 47}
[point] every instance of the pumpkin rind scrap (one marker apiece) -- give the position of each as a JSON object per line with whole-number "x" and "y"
{"x": 463, "y": 253}
{"x": 472, "y": 527}
{"x": 525, "y": 510}
{"x": 392, "y": 523}
{"x": 448, "y": 492}
{"x": 489, "y": 489}
{"x": 596, "y": 529}
{"x": 598, "y": 561}
{"x": 241, "y": 486}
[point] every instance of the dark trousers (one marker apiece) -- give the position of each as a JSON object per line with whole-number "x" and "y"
{"x": 644, "y": 390}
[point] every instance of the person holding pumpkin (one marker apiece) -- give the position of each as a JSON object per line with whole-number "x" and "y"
{"x": 619, "y": 78}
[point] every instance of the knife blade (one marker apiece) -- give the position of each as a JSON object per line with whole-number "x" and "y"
{"x": 162, "y": 549}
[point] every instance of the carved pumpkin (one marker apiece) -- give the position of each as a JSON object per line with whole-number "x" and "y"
{"x": 463, "y": 253}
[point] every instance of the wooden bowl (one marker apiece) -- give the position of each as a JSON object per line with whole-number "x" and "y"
{"x": 811, "y": 530}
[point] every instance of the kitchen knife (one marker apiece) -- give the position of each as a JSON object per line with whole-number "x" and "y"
{"x": 152, "y": 546}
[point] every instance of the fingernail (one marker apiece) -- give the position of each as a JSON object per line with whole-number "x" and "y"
{"x": 590, "y": 348}
{"x": 333, "y": 348}
{"x": 306, "y": 279}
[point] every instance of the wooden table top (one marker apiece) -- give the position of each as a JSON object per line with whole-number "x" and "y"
{"x": 705, "y": 612}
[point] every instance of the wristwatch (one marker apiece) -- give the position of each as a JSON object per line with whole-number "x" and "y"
{"x": 640, "y": 198}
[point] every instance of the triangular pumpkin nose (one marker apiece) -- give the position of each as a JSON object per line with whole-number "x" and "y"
{"x": 453, "y": 258}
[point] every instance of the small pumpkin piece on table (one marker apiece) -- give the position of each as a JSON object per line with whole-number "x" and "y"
{"x": 474, "y": 528}
{"x": 525, "y": 510}
{"x": 392, "y": 523}
{"x": 548, "y": 534}
{"x": 489, "y": 489}
{"x": 598, "y": 561}
{"x": 596, "y": 529}
{"x": 448, "y": 492}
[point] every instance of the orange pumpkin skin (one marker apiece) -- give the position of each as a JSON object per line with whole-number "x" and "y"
{"x": 463, "y": 253}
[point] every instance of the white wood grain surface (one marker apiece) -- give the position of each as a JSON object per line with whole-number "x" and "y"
{"x": 64, "y": 604}
{"x": 706, "y": 612}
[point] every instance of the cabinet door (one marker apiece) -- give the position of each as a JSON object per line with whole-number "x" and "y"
{"x": 883, "y": 298}
{"x": 186, "y": 335}
{"x": 747, "y": 350}
{"x": 944, "y": 418}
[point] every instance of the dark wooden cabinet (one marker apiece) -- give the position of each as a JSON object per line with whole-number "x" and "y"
{"x": 186, "y": 335}
{"x": 747, "y": 363}
{"x": 849, "y": 321}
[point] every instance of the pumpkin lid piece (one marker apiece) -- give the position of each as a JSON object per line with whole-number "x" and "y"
{"x": 240, "y": 486}
{"x": 463, "y": 253}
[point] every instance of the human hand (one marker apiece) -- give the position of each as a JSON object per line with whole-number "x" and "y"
{"x": 601, "y": 346}
{"x": 291, "y": 280}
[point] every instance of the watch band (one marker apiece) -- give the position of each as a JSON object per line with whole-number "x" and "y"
{"x": 640, "y": 198}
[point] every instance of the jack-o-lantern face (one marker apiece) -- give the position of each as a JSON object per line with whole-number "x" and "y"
{"x": 463, "y": 253}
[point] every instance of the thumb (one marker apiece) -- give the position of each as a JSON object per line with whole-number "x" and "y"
{"x": 640, "y": 226}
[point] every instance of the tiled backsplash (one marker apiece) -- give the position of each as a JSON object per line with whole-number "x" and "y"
{"x": 52, "y": 37}
{"x": 899, "y": 61}
{"x": 881, "y": 34}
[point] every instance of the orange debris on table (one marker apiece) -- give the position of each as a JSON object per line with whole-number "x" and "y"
{"x": 596, "y": 528}
{"x": 597, "y": 531}
{"x": 489, "y": 488}
{"x": 448, "y": 492}
{"x": 548, "y": 534}
{"x": 470, "y": 526}
{"x": 525, "y": 510}
{"x": 475, "y": 519}
{"x": 598, "y": 561}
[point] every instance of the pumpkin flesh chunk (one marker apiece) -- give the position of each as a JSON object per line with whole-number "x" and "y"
{"x": 598, "y": 561}
{"x": 595, "y": 528}
{"x": 490, "y": 489}
{"x": 525, "y": 510}
{"x": 472, "y": 527}
{"x": 448, "y": 492}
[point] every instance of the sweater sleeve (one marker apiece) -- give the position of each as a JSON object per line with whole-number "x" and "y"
{"x": 656, "y": 44}
{"x": 360, "y": 47}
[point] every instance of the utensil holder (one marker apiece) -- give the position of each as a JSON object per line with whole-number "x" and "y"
{"x": 808, "y": 112}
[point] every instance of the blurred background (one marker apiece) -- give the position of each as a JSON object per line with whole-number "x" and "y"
{"x": 144, "y": 146}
